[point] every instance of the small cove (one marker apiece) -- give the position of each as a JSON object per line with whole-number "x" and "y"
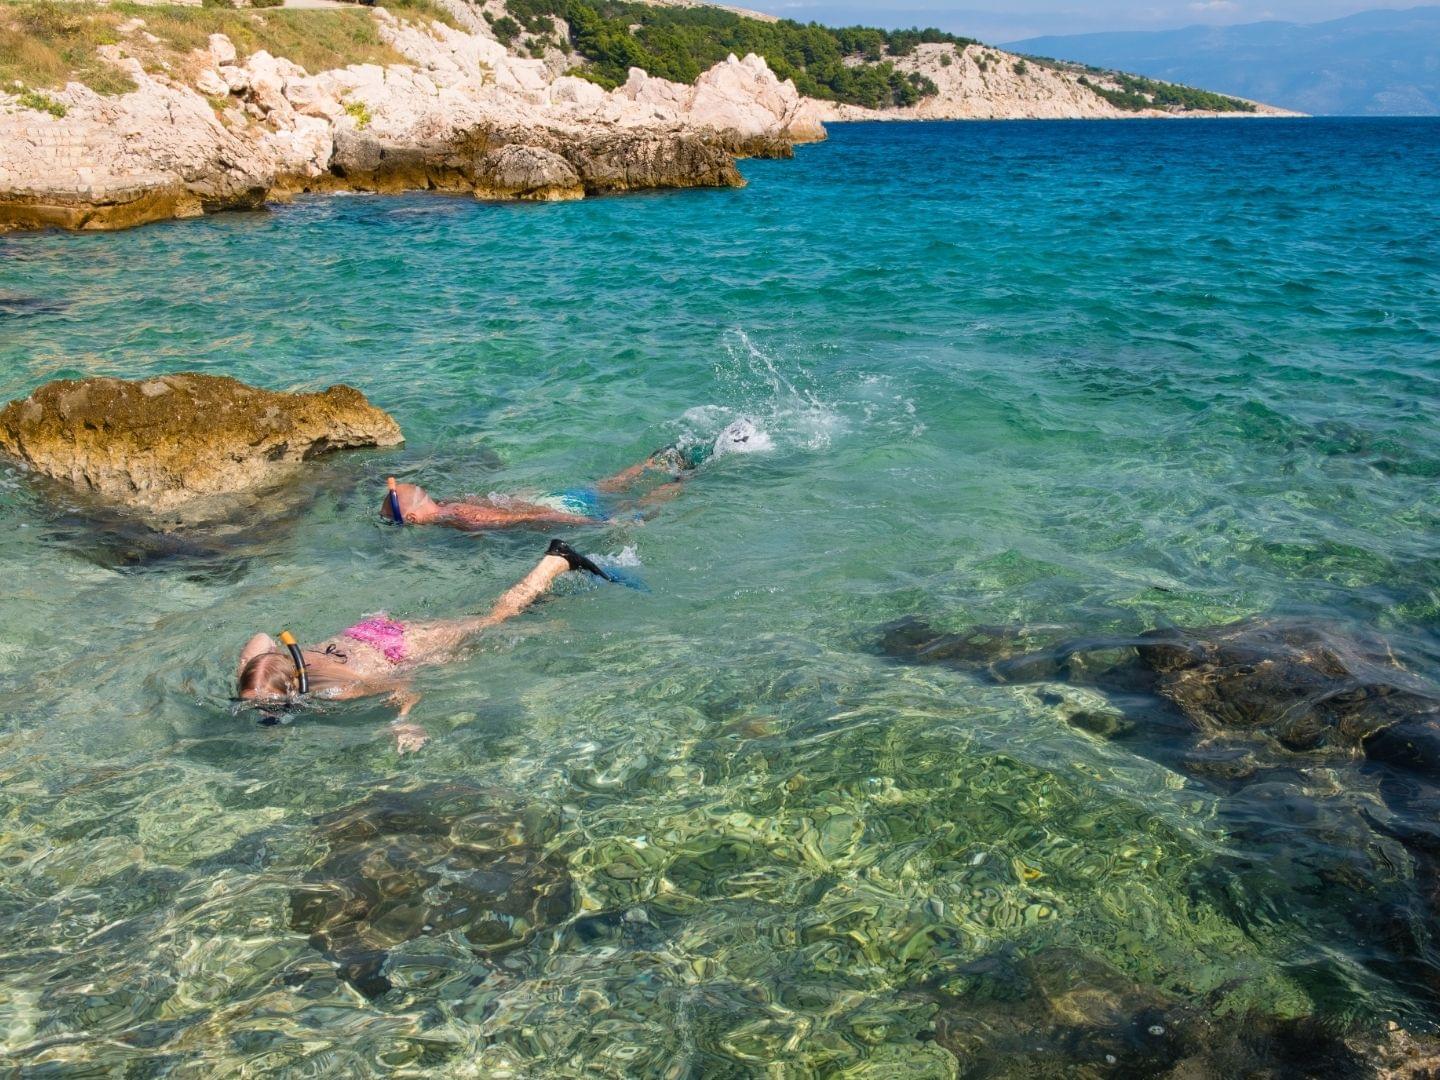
{"x": 1091, "y": 376}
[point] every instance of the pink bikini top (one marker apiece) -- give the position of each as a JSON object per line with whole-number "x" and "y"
{"x": 381, "y": 633}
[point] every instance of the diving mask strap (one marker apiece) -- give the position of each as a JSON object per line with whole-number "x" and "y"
{"x": 395, "y": 502}
{"x": 288, "y": 640}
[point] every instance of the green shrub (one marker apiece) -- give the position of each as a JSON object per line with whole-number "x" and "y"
{"x": 946, "y": 60}
{"x": 33, "y": 99}
{"x": 1021, "y": 68}
{"x": 679, "y": 43}
{"x": 360, "y": 113}
{"x": 1136, "y": 94}
{"x": 506, "y": 30}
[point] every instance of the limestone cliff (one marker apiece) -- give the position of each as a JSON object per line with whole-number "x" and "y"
{"x": 977, "y": 82}
{"x": 212, "y": 129}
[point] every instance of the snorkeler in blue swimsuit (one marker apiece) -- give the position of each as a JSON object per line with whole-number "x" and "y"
{"x": 410, "y": 504}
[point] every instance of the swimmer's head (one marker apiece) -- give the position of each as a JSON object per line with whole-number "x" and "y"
{"x": 268, "y": 677}
{"x": 742, "y": 436}
{"x": 415, "y": 506}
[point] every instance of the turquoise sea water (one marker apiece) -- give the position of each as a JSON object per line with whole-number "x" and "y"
{"x": 1097, "y": 377}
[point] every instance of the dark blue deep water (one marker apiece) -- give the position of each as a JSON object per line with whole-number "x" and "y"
{"x": 1052, "y": 379}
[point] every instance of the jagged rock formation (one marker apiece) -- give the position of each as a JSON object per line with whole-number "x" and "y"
{"x": 223, "y": 131}
{"x": 183, "y": 446}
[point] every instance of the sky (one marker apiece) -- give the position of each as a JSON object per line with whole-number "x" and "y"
{"x": 1010, "y": 20}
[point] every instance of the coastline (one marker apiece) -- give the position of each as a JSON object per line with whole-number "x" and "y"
{"x": 223, "y": 126}
{"x": 214, "y": 130}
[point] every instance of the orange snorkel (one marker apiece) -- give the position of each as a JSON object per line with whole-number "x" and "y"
{"x": 288, "y": 640}
{"x": 394, "y": 502}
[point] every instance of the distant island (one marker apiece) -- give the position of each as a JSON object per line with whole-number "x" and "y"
{"x": 1377, "y": 63}
{"x": 112, "y": 116}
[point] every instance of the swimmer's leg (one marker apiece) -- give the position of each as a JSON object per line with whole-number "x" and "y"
{"x": 524, "y": 592}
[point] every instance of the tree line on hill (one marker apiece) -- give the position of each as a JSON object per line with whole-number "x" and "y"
{"x": 679, "y": 43}
{"x": 852, "y": 64}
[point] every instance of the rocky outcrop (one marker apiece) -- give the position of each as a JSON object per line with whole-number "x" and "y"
{"x": 977, "y": 82}
{"x": 182, "y": 446}
{"x": 741, "y": 99}
{"x": 528, "y": 163}
{"x": 466, "y": 117}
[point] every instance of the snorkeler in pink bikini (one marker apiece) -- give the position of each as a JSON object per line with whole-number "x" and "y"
{"x": 377, "y": 655}
{"x": 410, "y": 504}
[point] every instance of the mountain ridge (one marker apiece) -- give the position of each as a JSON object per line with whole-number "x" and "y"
{"x": 1384, "y": 62}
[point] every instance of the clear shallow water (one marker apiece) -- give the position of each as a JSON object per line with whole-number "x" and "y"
{"x": 1093, "y": 376}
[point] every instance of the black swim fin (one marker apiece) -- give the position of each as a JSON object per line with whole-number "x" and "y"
{"x": 575, "y": 559}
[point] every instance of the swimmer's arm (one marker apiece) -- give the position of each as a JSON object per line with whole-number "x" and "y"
{"x": 396, "y": 693}
{"x": 408, "y": 737}
{"x": 662, "y": 494}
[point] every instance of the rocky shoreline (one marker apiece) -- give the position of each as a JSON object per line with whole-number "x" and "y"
{"x": 221, "y": 127}
{"x": 219, "y": 131}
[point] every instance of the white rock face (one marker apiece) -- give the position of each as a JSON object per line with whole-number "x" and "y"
{"x": 740, "y": 96}
{"x": 222, "y": 51}
{"x": 568, "y": 90}
{"x": 165, "y": 151}
{"x": 980, "y": 83}
{"x": 210, "y": 83}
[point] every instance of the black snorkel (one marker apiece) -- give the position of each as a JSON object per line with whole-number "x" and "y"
{"x": 288, "y": 640}
{"x": 394, "y": 499}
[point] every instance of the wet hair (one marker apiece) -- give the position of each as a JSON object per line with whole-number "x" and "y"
{"x": 411, "y": 496}
{"x": 267, "y": 676}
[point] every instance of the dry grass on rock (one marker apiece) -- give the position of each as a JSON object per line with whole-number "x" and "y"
{"x": 47, "y": 43}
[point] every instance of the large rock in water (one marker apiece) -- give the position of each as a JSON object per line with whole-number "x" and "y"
{"x": 1320, "y": 744}
{"x": 183, "y": 445}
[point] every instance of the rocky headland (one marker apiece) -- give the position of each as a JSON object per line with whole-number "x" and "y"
{"x": 160, "y": 119}
{"x": 219, "y": 128}
{"x": 978, "y": 82}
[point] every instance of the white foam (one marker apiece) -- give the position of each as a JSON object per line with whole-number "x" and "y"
{"x": 625, "y": 557}
{"x": 743, "y": 436}
{"x": 788, "y": 406}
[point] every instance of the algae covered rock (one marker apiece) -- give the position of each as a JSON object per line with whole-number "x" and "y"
{"x": 183, "y": 445}
{"x": 1306, "y": 686}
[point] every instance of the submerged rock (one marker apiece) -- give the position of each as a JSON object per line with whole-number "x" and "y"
{"x": 1307, "y": 687}
{"x": 1062, "y": 1012}
{"x": 17, "y": 306}
{"x": 183, "y": 446}
{"x": 432, "y": 860}
{"x": 1325, "y": 747}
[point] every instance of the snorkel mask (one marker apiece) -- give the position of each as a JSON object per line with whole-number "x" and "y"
{"x": 394, "y": 498}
